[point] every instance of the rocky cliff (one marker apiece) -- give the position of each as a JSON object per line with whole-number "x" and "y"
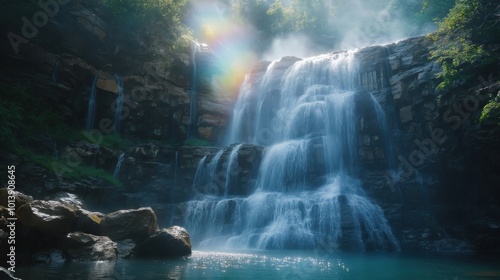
{"x": 80, "y": 44}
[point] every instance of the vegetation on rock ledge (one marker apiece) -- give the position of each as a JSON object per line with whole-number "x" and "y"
{"x": 152, "y": 16}
{"x": 29, "y": 127}
{"x": 491, "y": 113}
{"x": 461, "y": 39}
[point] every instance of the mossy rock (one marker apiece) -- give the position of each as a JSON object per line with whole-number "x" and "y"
{"x": 490, "y": 116}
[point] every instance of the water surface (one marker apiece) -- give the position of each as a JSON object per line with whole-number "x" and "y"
{"x": 275, "y": 265}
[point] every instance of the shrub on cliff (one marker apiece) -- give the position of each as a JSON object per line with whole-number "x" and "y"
{"x": 160, "y": 16}
{"x": 490, "y": 116}
{"x": 462, "y": 39}
{"x": 29, "y": 124}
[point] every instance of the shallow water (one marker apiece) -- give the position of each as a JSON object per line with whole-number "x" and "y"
{"x": 275, "y": 265}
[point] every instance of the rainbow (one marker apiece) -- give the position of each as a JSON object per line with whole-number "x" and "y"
{"x": 230, "y": 40}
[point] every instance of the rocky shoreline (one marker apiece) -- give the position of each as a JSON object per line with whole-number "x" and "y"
{"x": 61, "y": 230}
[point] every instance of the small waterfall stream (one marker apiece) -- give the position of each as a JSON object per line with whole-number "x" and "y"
{"x": 119, "y": 104}
{"x": 118, "y": 166}
{"x": 232, "y": 169}
{"x": 91, "y": 108}
{"x": 307, "y": 191}
{"x": 193, "y": 92}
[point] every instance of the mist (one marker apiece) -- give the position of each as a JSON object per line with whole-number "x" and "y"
{"x": 294, "y": 44}
{"x": 241, "y": 39}
{"x": 352, "y": 26}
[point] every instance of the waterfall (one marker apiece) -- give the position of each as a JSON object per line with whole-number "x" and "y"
{"x": 200, "y": 172}
{"x": 306, "y": 192}
{"x": 384, "y": 129}
{"x": 119, "y": 103}
{"x": 232, "y": 169}
{"x": 206, "y": 179}
{"x": 91, "y": 109}
{"x": 195, "y": 48}
{"x": 119, "y": 165}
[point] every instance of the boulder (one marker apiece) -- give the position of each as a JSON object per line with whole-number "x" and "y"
{"x": 69, "y": 199}
{"x": 172, "y": 242}
{"x": 136, "y": 224}
{"x": 125, "y": 248}
{"x": 48, "y": 217}
{"x": 19, "y": 198}
{"x": 87, "y": 247}
{"x": 4, "y": 214}
{"x": 6, "y": 275}
{"x": 88, "y": 222}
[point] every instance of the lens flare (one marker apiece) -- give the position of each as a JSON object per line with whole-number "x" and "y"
{"x": 231, "y": 42}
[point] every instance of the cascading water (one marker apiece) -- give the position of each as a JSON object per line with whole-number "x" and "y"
{"x": 91, "y": 109}
{"x": 231, "y": 170}
{"x": 306, "y": 192}
{"x": 206, "y": 179}
{"x": 118, "y": 166}
{"x": 119, "y": 103}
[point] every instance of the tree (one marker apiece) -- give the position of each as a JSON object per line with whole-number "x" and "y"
{"x": 459, "y": 43}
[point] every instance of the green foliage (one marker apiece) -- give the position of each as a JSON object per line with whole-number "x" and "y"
{"x": 24, "y": 116}
{"x": 434, "y": 10}
{"x": 147, "y": 10}
{"x": 327, "y": 21}
{"x": 195, "y": 142}
{"x": 272, "y": 18}
{"x": 183, "y": 42}
{"x": 462, "y": 35}
{"x": 78, "y": 172}
{"x": 166, "y": 15}
{"x": 11, "y": 116}
{"x": 491, "y": 113}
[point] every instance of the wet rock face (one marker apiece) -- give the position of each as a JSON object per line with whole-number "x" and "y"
{"x": 125, "y": 248}
{"x": 171, "y": 242}
{"x": 231, "y": 176}
{"x": 81, "y": 246}
{"x": 129, "y": 224}
{"x": 155, "y": 175}
{"x": 156, "y": 80}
